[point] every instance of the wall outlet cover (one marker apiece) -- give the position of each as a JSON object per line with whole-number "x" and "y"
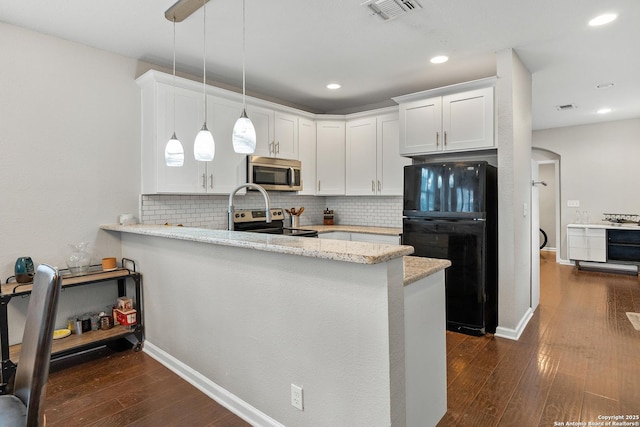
{"x": 573, "y": 203}
{"x": 297, "y": 399}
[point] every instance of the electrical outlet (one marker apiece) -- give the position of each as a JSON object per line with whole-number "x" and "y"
{"x": 296, "y": 397}
{"x": 573, "y": 203}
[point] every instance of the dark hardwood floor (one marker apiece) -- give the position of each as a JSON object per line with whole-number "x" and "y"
{"x": 578, "y": 358}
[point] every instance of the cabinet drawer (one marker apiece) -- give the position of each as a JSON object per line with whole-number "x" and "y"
{"x": 585, "y": 231}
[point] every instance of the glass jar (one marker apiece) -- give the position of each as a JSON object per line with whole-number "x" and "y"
{"x": 79, "y": 260}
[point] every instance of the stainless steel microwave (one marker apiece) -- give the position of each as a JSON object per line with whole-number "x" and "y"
{"x": 274, "y": 174}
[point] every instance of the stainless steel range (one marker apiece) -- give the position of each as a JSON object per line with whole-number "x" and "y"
{"x": 255, "y": 221}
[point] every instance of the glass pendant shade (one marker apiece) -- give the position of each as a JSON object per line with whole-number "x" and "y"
{"x": 204, "y": 148}
{"x": 244, "y": 135}
{"x": 173, "y": 152}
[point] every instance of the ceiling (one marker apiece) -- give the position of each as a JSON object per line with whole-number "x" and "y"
{"x": 295, "y": 47}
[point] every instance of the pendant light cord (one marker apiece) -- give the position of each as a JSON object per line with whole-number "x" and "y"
{"x": 174, "y": 74}
{"x": 244, "y": 103}
{"x": 204, "y": 56}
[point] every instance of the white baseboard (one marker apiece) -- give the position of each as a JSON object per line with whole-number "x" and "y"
{"x": 514, "y": 334}
{"x": 230, "y": 401}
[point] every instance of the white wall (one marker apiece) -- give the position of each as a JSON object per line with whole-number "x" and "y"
{"x": 513, "y": 101}
{"x": 599, "y": 164}
{"x": 70, "y": 144}
{"x": 255, "y": 322}
{"x": 547, "y": 173}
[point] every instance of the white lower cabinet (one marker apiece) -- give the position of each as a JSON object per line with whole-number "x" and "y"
{"x": 376, "y": 238}
{"x": 362, "y": 237}
{"x": 587, "y": 244}
{"x": 335, "y": 235}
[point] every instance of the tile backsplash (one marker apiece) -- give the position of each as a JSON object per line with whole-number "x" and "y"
{"x": 210, "y": 211}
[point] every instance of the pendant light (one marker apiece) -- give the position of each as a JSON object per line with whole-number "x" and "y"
{"x": 244, "y": 134}
{"x": 173, "y": 151}
{"x": 204, "y": 148}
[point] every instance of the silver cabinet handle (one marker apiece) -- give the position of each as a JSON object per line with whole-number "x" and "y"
{"x": 277, "y": 150}
{"x": 204, "y": 181}
{"x": 318, "y": 185}
{"x": 272, "y": 148}
{"x": 445, "y": 138}
{"x": 211, "y": 181}
{"x": 379, "y": 186}
{"x": 437, "y": 139}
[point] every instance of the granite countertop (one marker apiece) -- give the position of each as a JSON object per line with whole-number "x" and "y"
{"x": 609, "y": 226}
{"x": 387, "y": 231}
{"x": 338, "y": 250}
{"x": 416, "y": 268}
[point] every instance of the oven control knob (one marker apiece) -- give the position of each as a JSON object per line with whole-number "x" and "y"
{"x": 242, "y": 215}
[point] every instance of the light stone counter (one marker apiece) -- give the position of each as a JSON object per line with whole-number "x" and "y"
{"x": 386, "y": 231}
{"x": 337, "y": 250}
{"x": 416, "y": 268}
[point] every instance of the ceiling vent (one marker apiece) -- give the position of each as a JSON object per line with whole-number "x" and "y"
{"x": 391, "y": 9}
{"x": 566, "y": 107}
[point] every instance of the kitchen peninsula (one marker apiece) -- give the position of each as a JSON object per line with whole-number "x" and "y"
{"x": 244, "y": 316}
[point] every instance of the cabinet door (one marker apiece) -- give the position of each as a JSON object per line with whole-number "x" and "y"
{"x": 307, "y": 154}
{"x": 391, "y": 164}
{"x": 189, "y": 116}
{"x": 467, "y": 119}
{"x": 285, "y": 135}
{"x": 420, "y": 126}
{"x": 376, "y": 238}
{"x": 330, "y": 159}
{"x": 361, "y": 157}
{"x": 228, "y": 168}
{"x": 262, "y": 119}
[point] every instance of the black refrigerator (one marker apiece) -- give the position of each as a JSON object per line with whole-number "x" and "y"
{"x": 450, "y": 211}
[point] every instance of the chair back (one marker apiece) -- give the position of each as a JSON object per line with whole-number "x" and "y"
{"x": 33, "y": 367}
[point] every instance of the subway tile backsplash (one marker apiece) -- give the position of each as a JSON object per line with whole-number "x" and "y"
{"x": 210, "y": 211}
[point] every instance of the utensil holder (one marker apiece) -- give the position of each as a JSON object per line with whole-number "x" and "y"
{"x": 295, "y": 221}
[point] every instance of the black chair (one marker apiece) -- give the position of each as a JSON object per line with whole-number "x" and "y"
{"x": 23, "y": 407}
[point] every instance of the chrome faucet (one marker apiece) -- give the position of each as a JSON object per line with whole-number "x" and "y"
{"x": 255, "y": 187}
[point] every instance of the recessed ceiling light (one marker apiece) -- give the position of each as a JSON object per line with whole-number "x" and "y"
{"x": 333, "y": 86}
{"x": 602, "y": 19}
{"x": 439, "y": 59}
{"x": 604, "y": 110}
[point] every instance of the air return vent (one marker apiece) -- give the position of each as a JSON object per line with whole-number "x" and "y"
{"x": 566, "y": 107}
{"x": 391, "y": 9}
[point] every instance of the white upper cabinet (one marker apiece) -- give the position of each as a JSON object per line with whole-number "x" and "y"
{"x": 276, "y": 132}
{"x": 330, "y": 160}
{"x": 307, "y": 155}
{"x": 458, "y": 121}
{"x": 285, "y": 135}
{"x": 228, "y": 168}
{"x": 262, "y": 119}
{"x": 220, "y": 176}
{"x": 390, "y": 163}
{"x": 361, "y": 157}
{"x": 467, "y": 120}
{"x": 421, "y": 126}
{"x": 373, "y": 164}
